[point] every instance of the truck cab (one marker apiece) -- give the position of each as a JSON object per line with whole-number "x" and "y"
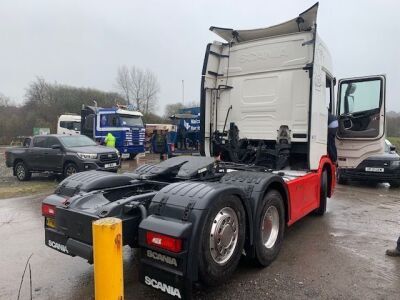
{"x": 69, "y": 124}
{"x": 126, "y": 126}
{"x": 266, "y": 95}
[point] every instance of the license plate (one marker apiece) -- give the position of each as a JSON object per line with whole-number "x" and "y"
{"x": 125, "y": 155}
{"x": 50, "y": 222}
{"x": 110, "y": 165}
{"x": 369, "y": 169}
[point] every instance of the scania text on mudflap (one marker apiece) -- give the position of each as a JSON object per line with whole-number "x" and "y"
{"x": 265, "y": 99}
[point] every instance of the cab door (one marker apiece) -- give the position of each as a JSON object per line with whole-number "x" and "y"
{"x": 361, "y": 119}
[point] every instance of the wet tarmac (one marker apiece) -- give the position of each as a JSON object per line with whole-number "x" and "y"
{"x": 338, "y": 256}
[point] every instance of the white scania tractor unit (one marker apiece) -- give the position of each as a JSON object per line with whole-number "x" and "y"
{"x": 266, "y": 95}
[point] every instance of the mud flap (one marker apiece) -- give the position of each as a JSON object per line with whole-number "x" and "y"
{"x": 161, "y": 269}
{"x": 56, "y": 241}
{"x": 165, "y": 281}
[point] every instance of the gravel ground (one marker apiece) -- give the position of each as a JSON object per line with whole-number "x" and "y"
{"x": 338, "y": 256}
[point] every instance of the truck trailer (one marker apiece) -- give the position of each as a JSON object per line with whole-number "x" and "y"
{"x": 265, "y": 98}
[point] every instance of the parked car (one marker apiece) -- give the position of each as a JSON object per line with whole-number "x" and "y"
{"x": 381, "y": 168}
{"x": 61, "y": 154}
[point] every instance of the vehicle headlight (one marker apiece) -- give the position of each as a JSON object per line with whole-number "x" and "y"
{"x": 396, "y": 163}
{"x": 116, "y": 151}
{"x": 87, "y": 155}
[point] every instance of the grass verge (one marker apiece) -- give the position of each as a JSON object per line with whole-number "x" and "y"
{"x": 20, "y": 189}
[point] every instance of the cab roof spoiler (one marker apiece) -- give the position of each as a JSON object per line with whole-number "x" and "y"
{"x": 304, "y": 22}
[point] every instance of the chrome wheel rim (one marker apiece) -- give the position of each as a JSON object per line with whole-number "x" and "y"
{"x": 224, "y": 235}
{"x": 70, "y": 171}
{"x": 20, "y": 171}
{"x": 270, "y": 227}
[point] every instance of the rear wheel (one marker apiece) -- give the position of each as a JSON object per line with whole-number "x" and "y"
{"x": 21, "y": 171}
{"x": 222, "y": 240}
{"x": 132, "y": 155}
{"x": 70, "y": 169}
{"x": 270, "y": 229}
{"x": 323, "y": 194}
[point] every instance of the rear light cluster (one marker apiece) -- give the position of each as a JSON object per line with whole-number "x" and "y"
{"x": 48, "y": 210}
{"x": 164, "y": 241}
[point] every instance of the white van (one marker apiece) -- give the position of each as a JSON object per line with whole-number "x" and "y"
{"x": 69, "y": 124}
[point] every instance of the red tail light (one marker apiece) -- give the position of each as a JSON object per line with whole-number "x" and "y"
{"x": 48, "y": 210}
{"x": 164, "y": 241}
{"x": 172, "y": 147}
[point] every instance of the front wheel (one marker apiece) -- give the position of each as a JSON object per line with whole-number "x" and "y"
{"x": 270, "y": 228}
{"x": 323, "y": 194}
{"x": 222, "y": 240}
{"x": 70, "y": 169}
{"x": 22, "y": 172}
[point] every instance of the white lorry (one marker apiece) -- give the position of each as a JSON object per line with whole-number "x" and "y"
{"x": 69, "y": 124}
{"x": 265, "y": 99}
{"x": 267, "y": 93}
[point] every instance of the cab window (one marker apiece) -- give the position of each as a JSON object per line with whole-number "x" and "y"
{"x": 51, "y": 141}
{"x": 359, "y": 108}
{"x": 360, "y": 96}
{"x": 109, "y": 120}
{"x": 39, "y": 142}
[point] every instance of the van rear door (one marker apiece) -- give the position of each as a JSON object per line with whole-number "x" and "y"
{"x": 361, "y": 119}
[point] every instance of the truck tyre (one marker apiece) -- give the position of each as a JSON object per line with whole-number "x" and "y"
{"x": 270, "y": 229}
{"x": 132, "y": 155}
{"x": 70, "y": 169}
{"x": 22, "y": 172}
{"x": 323, "y": 194}
{"x": 222, "y": 240}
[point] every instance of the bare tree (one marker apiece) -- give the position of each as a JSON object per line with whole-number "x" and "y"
{"x": 150, "y": 91}
{"x": 171, "y": 109}
{"x": 124, "y": 83}
{"x": 38, "y": 92}
{"x": 138, "y": 86}
{"x": 4, "y": 101}
{"x": 137, "y": 81}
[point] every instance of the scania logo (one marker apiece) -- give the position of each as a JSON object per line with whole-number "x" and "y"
{"x": 173, "y": 291}
{"x": 162, "y": 257}
{"x": 57, "y": 246}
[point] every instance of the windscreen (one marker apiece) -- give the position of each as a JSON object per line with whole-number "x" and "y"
{"x": 76, "y": 141}
{"x": 71, "y": 125}
{"x": 128, "y": 120}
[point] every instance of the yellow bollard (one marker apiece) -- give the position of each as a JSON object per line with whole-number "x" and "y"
{"x": 107, "y": 259}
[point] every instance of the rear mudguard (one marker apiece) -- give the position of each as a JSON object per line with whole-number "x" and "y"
{"x": 180, "y": 209}
{"x": 90, "y": 181}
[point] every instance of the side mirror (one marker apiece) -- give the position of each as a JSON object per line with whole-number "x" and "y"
{"x": 56, "y": 146}
{"x": 392, "y": 148}
{"x": 351, "y": 88}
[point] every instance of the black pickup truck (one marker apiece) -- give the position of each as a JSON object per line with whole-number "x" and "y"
{"x": 60, "y": 154}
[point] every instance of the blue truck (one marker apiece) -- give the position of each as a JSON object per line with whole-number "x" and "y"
{"x": 126, "y": 126}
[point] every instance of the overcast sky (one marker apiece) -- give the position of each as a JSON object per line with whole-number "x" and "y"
{"x": 82, "y": 43}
